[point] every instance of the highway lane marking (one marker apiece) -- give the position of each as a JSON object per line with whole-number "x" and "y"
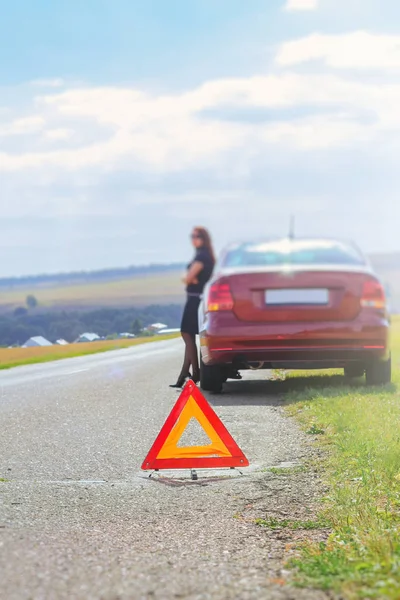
{"x": 76, "y": 371}
{"x": 24, "y": 375}
{"x": 51, "y": 369}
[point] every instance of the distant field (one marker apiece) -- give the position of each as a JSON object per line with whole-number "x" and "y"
{"x": 13, "y": 357}
{"x": 156, "y": 287}
{"x": 143, "y": 290}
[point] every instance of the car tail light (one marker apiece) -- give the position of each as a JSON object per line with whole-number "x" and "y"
{"x": 220, "y": 297}
{"x": 373, "y": 295}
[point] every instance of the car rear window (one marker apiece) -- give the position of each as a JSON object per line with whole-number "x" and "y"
{"x": 293, "y": 253}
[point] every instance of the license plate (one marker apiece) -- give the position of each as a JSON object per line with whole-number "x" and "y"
{"x": 297, "y": 296}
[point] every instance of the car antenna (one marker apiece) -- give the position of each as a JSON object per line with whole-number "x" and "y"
{"x": 291, "y": 230}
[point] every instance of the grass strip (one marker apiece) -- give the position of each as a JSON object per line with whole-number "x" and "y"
{"x": 360, "y": 429}
{"x": 272, "y": 523}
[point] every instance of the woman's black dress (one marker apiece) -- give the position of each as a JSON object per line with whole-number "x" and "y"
{"x": 190, "y": 322}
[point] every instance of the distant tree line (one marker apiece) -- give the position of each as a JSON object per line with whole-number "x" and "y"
{"x": 19, "y": 326}
{"x": 89, "y": 276}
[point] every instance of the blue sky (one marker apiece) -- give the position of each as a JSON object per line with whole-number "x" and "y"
{"x": 123, "y": 123}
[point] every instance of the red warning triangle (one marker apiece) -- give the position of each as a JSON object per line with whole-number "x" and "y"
{"x": 221, "y": 452}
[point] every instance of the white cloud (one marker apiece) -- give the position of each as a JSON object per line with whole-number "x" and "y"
{"x": 49, "y": 83}
{"x": 172, "y": 133}
{"x": 111, "y": 128}
{"x": 22, "y": 126}
{"x": 58, "y": 134}
{"x": 318, "y": 133}
{"x": 294, "y": 5}
{"x": 356, "y": 50}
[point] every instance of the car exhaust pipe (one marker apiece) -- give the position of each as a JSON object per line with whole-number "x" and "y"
{"x": 256, "y": 366}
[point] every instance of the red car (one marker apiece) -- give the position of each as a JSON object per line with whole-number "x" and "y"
{"x": 293, "y": 304}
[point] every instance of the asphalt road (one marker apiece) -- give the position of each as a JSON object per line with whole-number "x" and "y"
{"x": 79, "y": 520}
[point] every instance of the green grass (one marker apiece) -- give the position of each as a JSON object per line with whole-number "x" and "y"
{"x": 361, "y": 436}
{"x": 272, "y": 523}
{"x": 314, "y": 430}
{"x": 282, "y": 472}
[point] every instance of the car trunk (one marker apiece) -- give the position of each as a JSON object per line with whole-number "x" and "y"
{"x": 298, "y": 296}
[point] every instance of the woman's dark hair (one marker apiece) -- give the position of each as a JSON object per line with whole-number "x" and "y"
{"x": 203, "y": 234}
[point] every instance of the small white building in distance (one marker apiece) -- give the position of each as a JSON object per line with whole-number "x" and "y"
{"x": 37, "y": 341}
{"x": 157, "y": 327}
{"x": 62, "y": 342}
{"x": 87, "y": 337}
{"x": 126, "y": 335}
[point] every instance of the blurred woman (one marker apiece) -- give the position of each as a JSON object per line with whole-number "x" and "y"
{"x": 199, "y": 272}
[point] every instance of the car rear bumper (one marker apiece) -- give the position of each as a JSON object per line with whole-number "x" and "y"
{"x": 225, "y": 340}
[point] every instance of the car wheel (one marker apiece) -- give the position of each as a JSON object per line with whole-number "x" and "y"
{"x": 354, "y": 370}
{"x": 211, "y": 377}
{"x": 379, "y": 373}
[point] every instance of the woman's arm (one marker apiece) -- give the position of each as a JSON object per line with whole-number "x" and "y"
{"x": 191, "y": 276}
